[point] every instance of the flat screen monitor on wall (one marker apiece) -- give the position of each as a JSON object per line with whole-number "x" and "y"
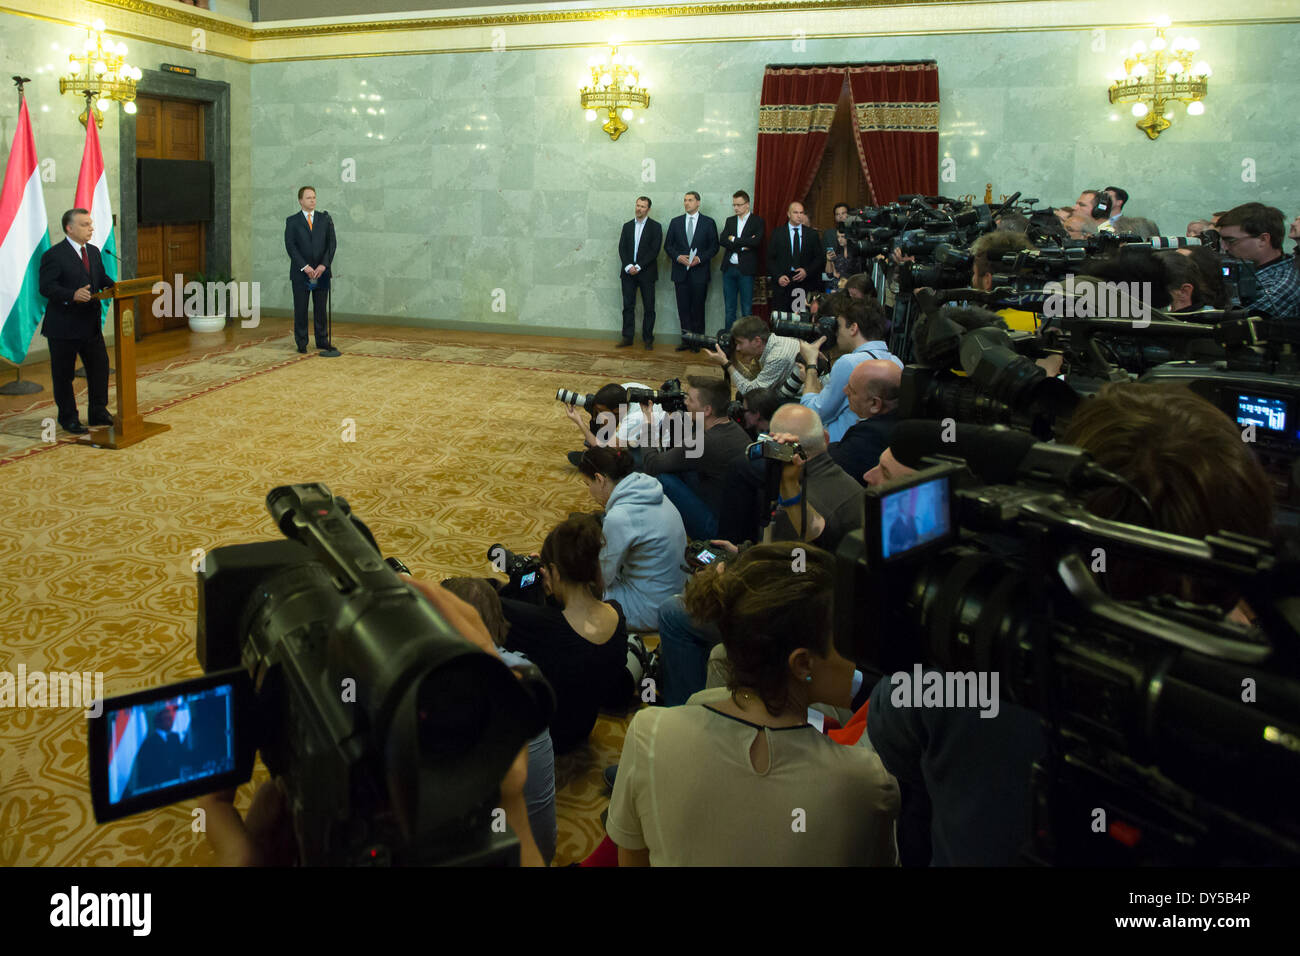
{"x": 174, "y": 190}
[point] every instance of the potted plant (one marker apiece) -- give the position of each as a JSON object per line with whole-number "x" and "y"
{"x": 196, "y": 312}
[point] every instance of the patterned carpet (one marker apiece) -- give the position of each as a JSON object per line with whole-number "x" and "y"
{"x": 456, "y": 447}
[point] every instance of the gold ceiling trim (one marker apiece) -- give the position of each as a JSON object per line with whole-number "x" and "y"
{"x": 252, "y": 34}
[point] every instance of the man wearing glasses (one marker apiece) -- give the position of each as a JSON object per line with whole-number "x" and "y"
{"x": 1253, "y": 232}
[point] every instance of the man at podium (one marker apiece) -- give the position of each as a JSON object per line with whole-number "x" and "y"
{"x": 71, "y": 272}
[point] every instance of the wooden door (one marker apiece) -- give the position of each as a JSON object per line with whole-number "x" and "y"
{"x": 168, "y": 129}
{"x": 839, "y": 177}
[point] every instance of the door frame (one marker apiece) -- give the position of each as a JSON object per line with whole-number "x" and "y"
{"x": 215, "y": 95}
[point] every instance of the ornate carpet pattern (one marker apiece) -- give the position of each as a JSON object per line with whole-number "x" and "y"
{"x": 456, "y": 447}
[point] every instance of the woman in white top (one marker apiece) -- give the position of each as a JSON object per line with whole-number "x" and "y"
{"x": 737, "y": 776}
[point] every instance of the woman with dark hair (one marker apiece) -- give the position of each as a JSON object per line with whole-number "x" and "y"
{"x": 1188, "y": 291}
{"x": 725, "y": 779}
{"x": 1211, "y": 265}
{"x": 645, "y": 540}
{"x": 579, "y": 646}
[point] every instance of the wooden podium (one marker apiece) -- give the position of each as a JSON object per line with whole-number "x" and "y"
{"x": 128, "y": 427}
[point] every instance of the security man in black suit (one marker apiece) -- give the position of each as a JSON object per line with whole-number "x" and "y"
{"x": 309, "y": 240}
{"x": 70, "y": 273}
{"x": 638, "y": 254}
{"x": 691, "y": 243}
{"x": 794, "y": 259}
{"x": 742, "y": 235}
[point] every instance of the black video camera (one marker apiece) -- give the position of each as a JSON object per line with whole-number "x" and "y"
{"x": 390, "y": 731}
{"x": 1141, "y": 702}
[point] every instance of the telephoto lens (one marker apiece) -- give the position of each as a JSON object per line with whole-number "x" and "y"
{"x": 573, "y": 398}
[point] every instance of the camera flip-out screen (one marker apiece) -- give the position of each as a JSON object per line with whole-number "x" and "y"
{"x": 152, "y": 748}
{"x": 1262, "y": 411}
{"x": 909, "y": 515}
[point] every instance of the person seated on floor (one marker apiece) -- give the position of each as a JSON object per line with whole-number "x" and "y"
{"x": 580, "y": 646}
{"x": 834, "y": 497}
{"x": 628, "y": 421}
{"x": 539, "y": 788}
{"x": 872, "y": 392}
{"x": 693, "y": 472}
{"x": 714, "y": 782}
{"x": 760, "y": 405}
{"x": 641, "y": 559}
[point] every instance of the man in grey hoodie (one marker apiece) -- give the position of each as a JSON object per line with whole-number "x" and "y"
{"x": 645, "y": 541}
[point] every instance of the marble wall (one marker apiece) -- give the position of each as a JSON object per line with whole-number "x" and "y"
{"x": 39, "y": 49}
{"x": 469, "y": 189}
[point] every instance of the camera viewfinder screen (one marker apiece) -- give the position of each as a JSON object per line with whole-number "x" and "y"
{"x": 1262, "y": 412}
{"x": 913, "y": 516}
{"x": 528, "y": 580}
{"x": 162, "y": 743}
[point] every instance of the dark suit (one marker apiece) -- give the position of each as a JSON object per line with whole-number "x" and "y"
{"x": 782, "y": 260}
{"x": 738, "y": 277}
{"x": 647, "y": 258}
{"x": 309, "y": 247}
{"x": 75, "y": 328}
{"x": 692, "y": 284}
{"x": 159, "y": 761}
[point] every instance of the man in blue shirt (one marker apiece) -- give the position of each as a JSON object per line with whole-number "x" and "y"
{"x": 860, "y": 336}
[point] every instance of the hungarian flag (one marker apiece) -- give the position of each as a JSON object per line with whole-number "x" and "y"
{"x": 24, "y": 237}
{"x": 92, "y": 194}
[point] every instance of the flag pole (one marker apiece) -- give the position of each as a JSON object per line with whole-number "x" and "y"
{"x": 18, "y": 386}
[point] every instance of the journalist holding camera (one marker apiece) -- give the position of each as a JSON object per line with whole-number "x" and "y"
{"x": 758, "y": 358}
{"x": 860, "y": 332}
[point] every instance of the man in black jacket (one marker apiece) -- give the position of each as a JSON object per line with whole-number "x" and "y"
{"x": 872, "y": 392}
{"x": 742, "y": 234}
{"x": 794, "y": 260}
{"x": 691, "y": 242}
{"x": 70, "y": 273}
{"x": 638, "y": 254}
{"x": 309, "y": 240}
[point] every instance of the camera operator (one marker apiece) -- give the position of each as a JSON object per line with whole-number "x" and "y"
{"x": 1253, "y": 232}
{"x": 681, "y": 762}
{"x": 860, "y": 334}
{"x": 1187, "y": 458}
{"x": 988, "y": 250}
{"x": 611, "y": 400}
{"x": 872, "y": 392}
{"x": 760, "y": 405}
{"x": 761, "y": 358}
{"x": 859, "y": 286}
{"x": 539, "y": 790}
{"x": 579, "y": 646}
{"x": 1210, "y": 267}
{"x": 1188, "y": 290}
{"x": 695, "y": 484}
{"x": 264, "y": 837}
{"x": 641, "y": 559}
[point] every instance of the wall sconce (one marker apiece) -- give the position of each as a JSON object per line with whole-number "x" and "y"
{"x": 101, "y": 74}
{"x": 1155, "y": 74}
{"x": 616, "y": 87}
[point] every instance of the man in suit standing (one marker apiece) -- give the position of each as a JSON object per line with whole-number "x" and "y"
{"x": 742, "y": 234}
{"x": 691, "y": 242}
{"x": 638, "y": 251}
{"x": 794, "y": 259}
{"x": 309, "y": 240}
{"x": 70, "y": 273}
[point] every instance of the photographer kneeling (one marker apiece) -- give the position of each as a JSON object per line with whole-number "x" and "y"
{"x": 579, "y": 646}
{"x": 641, "y": 559}
{"x": 731, "y": 763}
{"x": 760, "y": 360}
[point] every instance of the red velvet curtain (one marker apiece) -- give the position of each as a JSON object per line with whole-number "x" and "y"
{"x": 794, "y": 119}
{"x": 896, "y": 125}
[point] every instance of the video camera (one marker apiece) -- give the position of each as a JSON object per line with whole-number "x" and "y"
{"x": 389, "y": 730}
{"x": 988, "y": 562}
